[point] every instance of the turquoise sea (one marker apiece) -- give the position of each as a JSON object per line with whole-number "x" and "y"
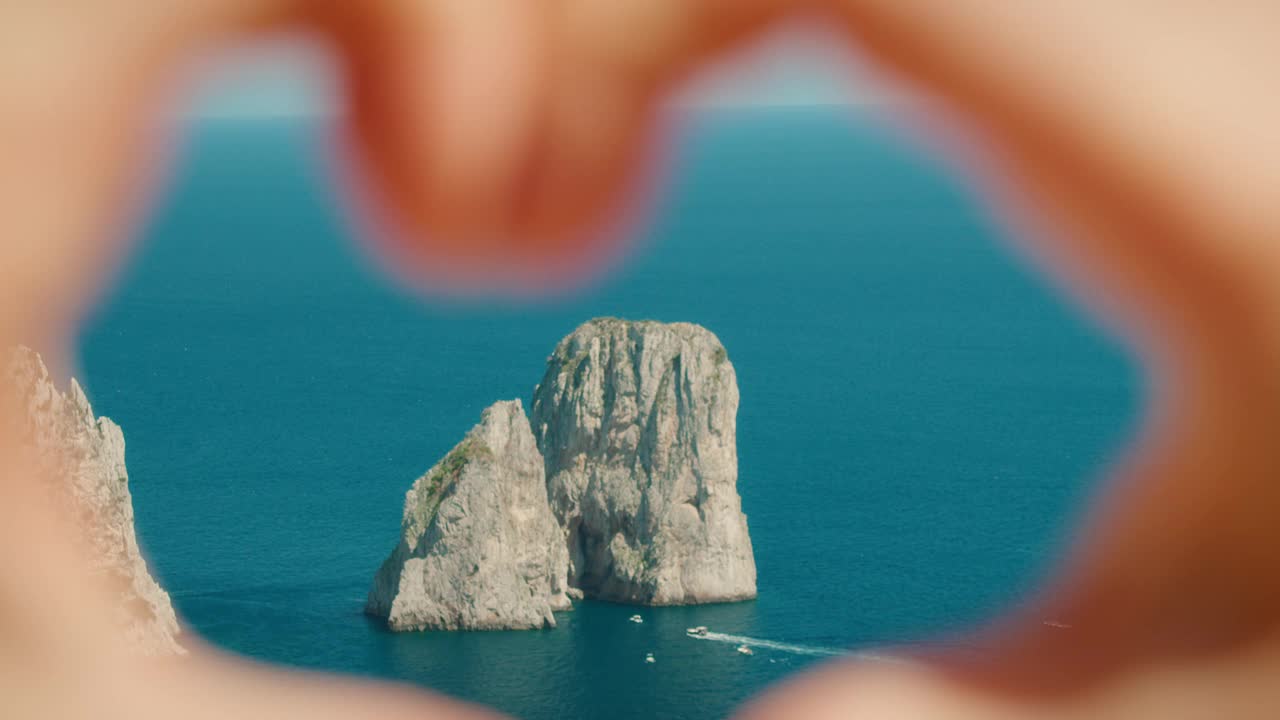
{"x": 921, "y": 417}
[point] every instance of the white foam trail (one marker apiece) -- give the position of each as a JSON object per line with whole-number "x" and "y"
{"x": 772, "y": 645}
{"x": 810, "y": 650}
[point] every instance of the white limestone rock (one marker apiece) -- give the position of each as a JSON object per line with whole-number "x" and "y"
{"x": 86, "y": 455}
{"x": 637, "y": 423}
{"x": 479, "y": 547}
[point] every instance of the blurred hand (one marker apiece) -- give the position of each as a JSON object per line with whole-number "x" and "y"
{"x": 1137, "y": 144}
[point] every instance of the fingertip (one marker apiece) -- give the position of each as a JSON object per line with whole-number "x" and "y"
{"x": 483, "y": 153}
{"x": 525, "y": 262}
{"x": 868, "y": 689}
{"x": 567, "y": 210}
{"x": 483, "y": 109}
{"x": 442, "y": 102}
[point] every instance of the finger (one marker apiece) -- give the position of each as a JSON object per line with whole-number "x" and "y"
{"x": 209, "y": 685}
{"x": 848, "y": 691}
{"x": 72, "y": 120}
{"x": 82, "y": 87}
{"x": 1179, "y": 560}
{"x": 501, "y": 138}
{"x": 444, "y": 101}
{"x": 76, "y": 95}
{"x": 1239, "y": 685}
{"x": 587, "y": 178}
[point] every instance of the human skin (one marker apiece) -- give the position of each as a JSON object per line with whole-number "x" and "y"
{"x": 1135, "y": 146}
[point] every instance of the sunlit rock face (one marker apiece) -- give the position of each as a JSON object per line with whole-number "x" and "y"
{"x": 479, "y": 548}
{"x": 623, "y": 489}
{"x": 83, "y": 456}
{"x": 636, "y": 422}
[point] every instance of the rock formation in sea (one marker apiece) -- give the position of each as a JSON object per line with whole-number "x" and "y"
{"x": 637, "y": 424}
{"x": 479, "y": 548}
{"x": 85, "y": 457}
{"x": 623, "y": 489}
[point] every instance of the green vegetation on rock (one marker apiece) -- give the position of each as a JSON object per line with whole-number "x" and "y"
{"x": 441, "y": 477}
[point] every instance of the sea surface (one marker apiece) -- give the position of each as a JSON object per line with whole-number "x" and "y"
{"x": 921, "y": 416}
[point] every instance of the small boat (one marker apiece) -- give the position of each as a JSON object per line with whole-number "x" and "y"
{"x": 700, "y": 631}
{"x": 744, "y": 650}
{"x": 649, "y": 658}
{"x": 636, "y": 619}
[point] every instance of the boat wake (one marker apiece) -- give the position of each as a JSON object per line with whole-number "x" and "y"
{"x": 792, "y": 648}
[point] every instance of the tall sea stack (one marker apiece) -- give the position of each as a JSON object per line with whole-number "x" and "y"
{"x": 636, "y": 422}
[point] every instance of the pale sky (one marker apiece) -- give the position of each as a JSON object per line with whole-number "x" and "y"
{"x": 793, "y": 67}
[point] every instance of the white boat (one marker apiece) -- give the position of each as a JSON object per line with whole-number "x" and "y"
{"x": 743, "y": 649}
{"x": 636, "y": 619}
{"x": 649, "y": 658}
{"x": 700, "y": 631}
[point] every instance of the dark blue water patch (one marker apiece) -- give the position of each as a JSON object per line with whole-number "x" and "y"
{"x": 920, "y": 417}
